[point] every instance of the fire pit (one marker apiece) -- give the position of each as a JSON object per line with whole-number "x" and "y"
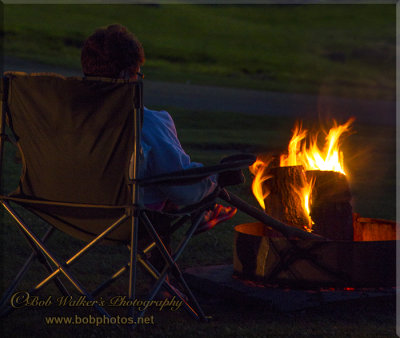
{"x": 309, "y": 247}
{"x": 307, "y": 189}
{"x": 264, "y": 255}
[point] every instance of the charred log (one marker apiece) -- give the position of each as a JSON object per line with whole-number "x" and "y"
{"x": 284, "y": 202}
{"x": 331, "y": 210}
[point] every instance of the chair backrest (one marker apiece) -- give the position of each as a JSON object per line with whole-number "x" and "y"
{"x": 76, "y": 136}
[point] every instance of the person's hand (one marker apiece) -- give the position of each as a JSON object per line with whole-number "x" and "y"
{"x": 234, "y": 176}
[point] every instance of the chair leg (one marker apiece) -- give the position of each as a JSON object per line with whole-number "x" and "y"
{"x": 168, "y": 286}
{"x": 122, "y": 270}
{"x": 61, "y": 267}
{"x": 35, "y": 254}
{"x": 80, "y": 252}
{"x": 13, "y": 285}
{"x": 111, "y": 280}
{"x": 132, "y": 260}
{"x": 42, "y": 259}
{"x": 171, "y": 264}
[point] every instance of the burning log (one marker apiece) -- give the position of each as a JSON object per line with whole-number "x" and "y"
{"x": 322, "y": 196}
{"x": 284, "y": 201}
{"x": 330, "y": 208}
{"x": 265, "y": 219}
{"x": 291, "y": 194}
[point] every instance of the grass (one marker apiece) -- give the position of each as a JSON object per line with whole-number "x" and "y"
{"x": 344, "y": 50}
{"x": 372, "y": 177}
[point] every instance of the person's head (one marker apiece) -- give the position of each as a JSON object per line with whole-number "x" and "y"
{"x": 113, "y": 52}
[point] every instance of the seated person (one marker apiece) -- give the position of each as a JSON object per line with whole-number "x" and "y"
{"x": 116, "y": 53}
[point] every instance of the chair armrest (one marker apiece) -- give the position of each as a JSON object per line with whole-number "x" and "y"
{"x": 193, "y": 175}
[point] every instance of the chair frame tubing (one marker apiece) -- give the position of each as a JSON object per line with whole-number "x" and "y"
{"x": 62, "y": 267}
{"x": 35, "y": 254}
{"x": 133, "y": 212}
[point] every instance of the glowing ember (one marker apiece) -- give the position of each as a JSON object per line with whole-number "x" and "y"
{"x": 308, "y": 155}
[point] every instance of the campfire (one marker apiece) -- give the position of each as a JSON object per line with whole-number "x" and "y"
{"x": 299, "y": 190}
{"x": 307, "y": 188}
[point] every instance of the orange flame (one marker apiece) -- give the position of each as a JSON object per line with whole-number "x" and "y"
{"x": 259, "y": 189}
{"x": 330, "y": 158}
{"x": 310, "y": 156}
{"x": 305, "y": 196}
{"x": 291, "y": 158}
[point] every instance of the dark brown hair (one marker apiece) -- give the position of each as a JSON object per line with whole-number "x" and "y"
{"x": 110, "y": 50}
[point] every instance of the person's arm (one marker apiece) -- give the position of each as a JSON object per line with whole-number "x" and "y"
{"x": 167, "y": 155}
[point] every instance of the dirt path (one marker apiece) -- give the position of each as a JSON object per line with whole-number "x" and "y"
{"x": 209, "y": 98}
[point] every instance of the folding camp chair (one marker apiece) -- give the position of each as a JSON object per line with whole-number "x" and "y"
{"x": 76, "y": 137}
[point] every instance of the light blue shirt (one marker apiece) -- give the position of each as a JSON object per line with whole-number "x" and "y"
{"x": 163, "y": 153}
